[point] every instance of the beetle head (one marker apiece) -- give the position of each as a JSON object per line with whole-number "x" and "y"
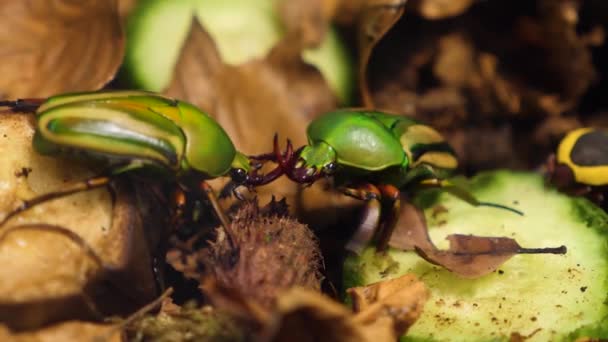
{"x": 245, "y": 170}
{"x": 558, "y": 174}
{"x": 308, "y": 163}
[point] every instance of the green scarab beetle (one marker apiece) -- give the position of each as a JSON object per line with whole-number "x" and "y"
{"x": 580, "y": 166}
{"x": 136, "y": 130}
{"x": 374, "y": 155}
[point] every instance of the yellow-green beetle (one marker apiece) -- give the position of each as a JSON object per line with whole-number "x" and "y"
{"x": 136, "y": 130}
{"x": 580, "y": 166}
{"x": 374, "y": 155}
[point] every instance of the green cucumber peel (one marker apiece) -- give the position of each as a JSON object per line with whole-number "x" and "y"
{"x": 546, "y": 297}
{"x": 242, "y": 30}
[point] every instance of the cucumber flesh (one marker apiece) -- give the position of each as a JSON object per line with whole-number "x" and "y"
{"x": 156, "y": 32}
{"x": 550, "y": 297}
{"x": 242, "y": 30}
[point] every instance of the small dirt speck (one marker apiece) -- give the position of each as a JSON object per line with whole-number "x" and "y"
{"x": 23, "y": 172}
{"x": 438, "y": 209}
{"x": 501, "y": 272}
{"x": 533, "y": 319}
{"x": 583, "y": 288}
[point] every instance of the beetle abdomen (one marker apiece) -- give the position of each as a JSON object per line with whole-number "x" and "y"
{"x": 421, "y": 143}
{"x": 585, "y": 152}
{"x": 359, "y": 140}
{"x": 116, "y": 126}
{"x": 424, "y": 145}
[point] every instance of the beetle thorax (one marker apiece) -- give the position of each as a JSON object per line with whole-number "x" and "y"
{"x": 318, "y": 155}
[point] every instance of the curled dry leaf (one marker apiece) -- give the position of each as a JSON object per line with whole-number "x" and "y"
{"x": 255, "y": 100}
{"x": 401, "y": 300}
{"x": 375, "y": 20}
{"x": 468, "y": 256}
{"x": 384, "y": 311}
{"x": 306, "y": 20}
{"x": 49, "y": 47}
{"x": 440, "y": 9}
{"x": 67, "y": 331}
{"x": 251, "y": 100}
{"x": 58, "y": 256}
{"x": 125, "y": 7}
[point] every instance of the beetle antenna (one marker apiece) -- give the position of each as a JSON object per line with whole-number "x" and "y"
{"x": 23, "y": 105}
{"x": 500, "y": 206}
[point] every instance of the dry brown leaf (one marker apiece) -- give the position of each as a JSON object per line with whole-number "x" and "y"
{"x": 306, "y": 21}
{"x": 255, "y": 100}
{"x": 49, "y": 47}
{"x": 468, "y": 256}
{"x": 401, "y": 300}
{"x": 125, "y": 7}
{"x": 440, "y": 9}
{"x": 385, "y": 311}
{"x": 375, "y": 20}
{"x": 48, "y": 274}
{"x": 67, "y": 331}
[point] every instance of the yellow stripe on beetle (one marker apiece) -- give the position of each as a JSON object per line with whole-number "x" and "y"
{"x": 585, "y": 174}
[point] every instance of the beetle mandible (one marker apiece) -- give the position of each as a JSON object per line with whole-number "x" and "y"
{"x": 137, "y": 130}
{"x": 374, "y": 156}
{"x": 580, "y": 166}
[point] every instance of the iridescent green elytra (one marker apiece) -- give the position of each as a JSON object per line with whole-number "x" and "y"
{"x": 140, "y": 128}
{"x": 133, "y": 130}
{"x": 389, "y": 148}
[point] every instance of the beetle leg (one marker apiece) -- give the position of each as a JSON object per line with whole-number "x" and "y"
{"x": 393, "y": 194}
{"x": 368, "y": 224}
{"x": 84, "y": 185}
{"x": 178, "y": 208}
{"x": 206, "y": 188}
{"x": 370, "y": 216}
{"x": 364, "y": 192}
{"x": 23, "y": 105}
{"x": 464, "y": 194}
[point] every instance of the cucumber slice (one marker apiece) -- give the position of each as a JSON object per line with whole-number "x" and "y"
{"x": 156, "y": 31}
{"x": 242, "y": 30}
{"x": 550, "y": 297}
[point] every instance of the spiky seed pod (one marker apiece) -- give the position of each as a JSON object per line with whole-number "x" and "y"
{"x": 272, "y": 252}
